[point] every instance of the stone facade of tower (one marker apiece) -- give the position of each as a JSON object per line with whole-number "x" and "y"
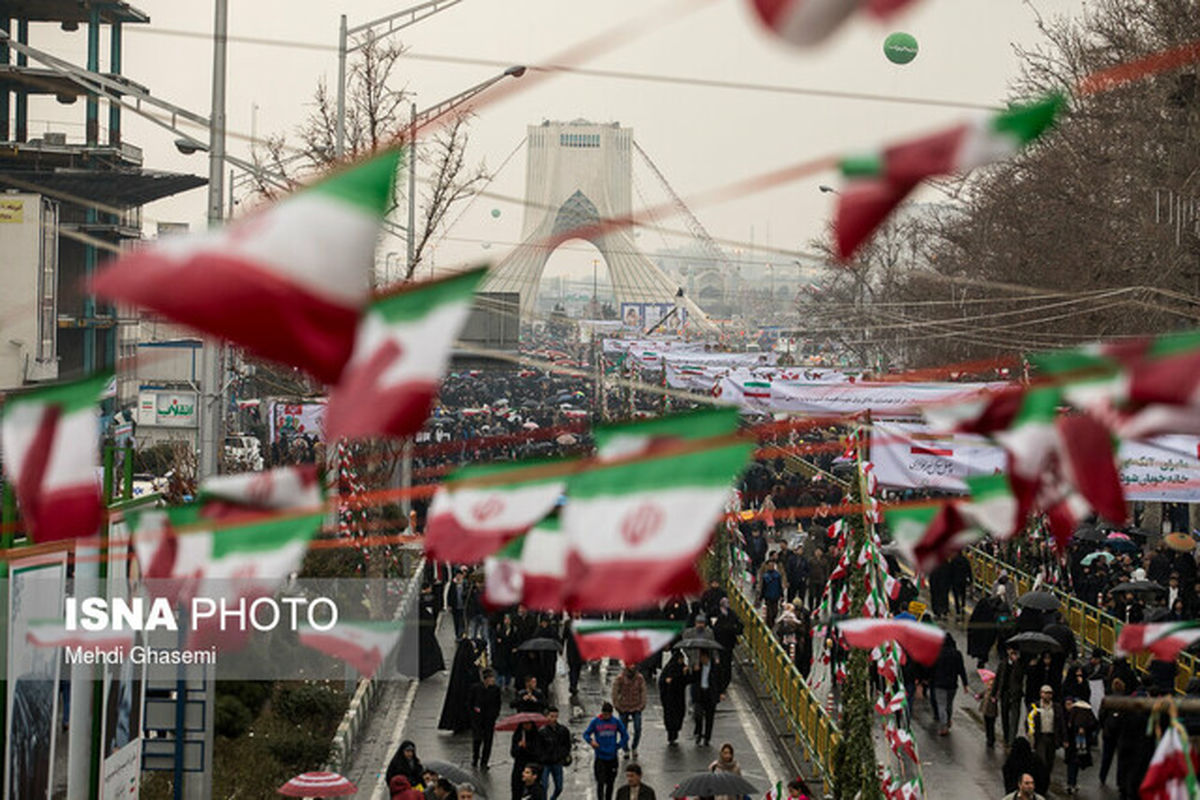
{"x": 577, "y": 174}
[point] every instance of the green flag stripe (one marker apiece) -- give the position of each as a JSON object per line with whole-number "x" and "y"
{"x": 367, "y": 186}
{"x": 983, "y": 487}
{"x": 709, "y": 468}
{"x": 583, "y": 626}
{"x": 1057, "y": 362}
{"x": 264, "y": 536}
{"x": 1173, "y": 344}
{"x": 551, "y": 524}
{"x": 922, "y": 515}
{"x": 511, "y": 551}
{"x": 694, "y": 425}
{"x": 74, "y": 396}
{"x": 420, "y": 299}
{"x": 1028, "y": 121}
{"x": 757, "y": 384}
{"x": 1038, "y": 405}
{"x": 867, "y": 165}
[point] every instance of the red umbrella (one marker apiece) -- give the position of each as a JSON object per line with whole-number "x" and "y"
{"x": 513, "y": 721}
{"x": 318, "y": 784}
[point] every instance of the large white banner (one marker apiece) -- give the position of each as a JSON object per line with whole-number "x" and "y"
{"x": 910, "y": 455}
{"x": 755, "y": 392}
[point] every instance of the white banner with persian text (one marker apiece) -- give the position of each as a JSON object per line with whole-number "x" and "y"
{"x": 819, "y": 398}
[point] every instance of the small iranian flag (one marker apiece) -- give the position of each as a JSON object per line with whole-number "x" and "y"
{"x": 808, "y": 22}
{"x": 636, "y": 438}
{"x": 544, "y": 566}
{"x": 480, "y": 508}
{"x": 54, "y": 633}
{"x": 273, "y": 490}
{"x": 49, "y": 439}
{"x": 881, "y": 181}
{"x": 921, "y": 642}
{"x": 929, "y": 535}
{"x": 1165, "y": 640}
{"x": 640, "y": 525}
{"x": 503, "y": 580}
{"x": 287, "y": 283}
{"x": 401, "y": 350}
{"x": 1171, "y": 774}
{"x": 363, "y": 645}
{"x": 631, "y": 642}
{"x": 993, "y": 506}
{"x": 775, "y": 792}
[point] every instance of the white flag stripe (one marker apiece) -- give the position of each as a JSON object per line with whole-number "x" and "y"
{"x": 678, "y": 522}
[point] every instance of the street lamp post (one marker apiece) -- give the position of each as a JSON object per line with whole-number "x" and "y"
{"x": 392, "y": 23}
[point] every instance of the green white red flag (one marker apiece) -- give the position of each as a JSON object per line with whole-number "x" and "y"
{"x": 631, "y": 642}
{"x": 400, "y": 353}
{"x": 287, "y": 283}
{"x": 880, "y": 181}
{"x": 54, "y": 633}
{"x": 922, "y": 642}
{"x": 776, "y": 792}
{"x": 279, "y": 489}
{"x": 477, "y": 510}
{"x": 1172, "y": 771}
{"x": 930, "y": 534}
{"x": 640, "y": 525}
{"x": 544, "y": 566}
{"x": 50, "y": 443}
{"x": 363, "y": 645}
{"x": 1165, "y": 640}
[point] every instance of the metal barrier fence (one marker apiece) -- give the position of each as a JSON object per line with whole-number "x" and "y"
{"x": 809, "y": 720}
{"x": 1093, "y": 626}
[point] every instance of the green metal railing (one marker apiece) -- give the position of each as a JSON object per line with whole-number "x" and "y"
{"x": 808, "y": 719}
{"x": 1090, "y": 624}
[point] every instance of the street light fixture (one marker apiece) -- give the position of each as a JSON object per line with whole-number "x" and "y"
{"x": 826, "y": 189}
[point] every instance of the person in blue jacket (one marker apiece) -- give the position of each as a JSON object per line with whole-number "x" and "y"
{"x": 607, "y": 737}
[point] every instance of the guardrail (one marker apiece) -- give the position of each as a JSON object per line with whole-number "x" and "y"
{"x": 362, "y": 705}
{"x": 809, "y": 720}
{"x": 1090, "y": 624}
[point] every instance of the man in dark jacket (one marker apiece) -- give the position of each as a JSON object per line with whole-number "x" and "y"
{"x": 818, "y": 576}
{"x": 947, "y": 671}
{"x": 555, "y": 751}
{"x": 531, "y": 784}
{"x": 960, "y": 581}
{"x": 634, "y": 789}
{"x": 530, "y": 699}
{"x": 484, "y": 699}
{"x": 1010, "y": 688}
{"x": 770, "y": 590}
{"x": 1047, "y": 727}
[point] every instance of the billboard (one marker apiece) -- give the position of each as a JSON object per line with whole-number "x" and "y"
{"x": 644, "y": 316}
{"x": 167, "y": 409}
{"x": 124, "y": 683}
{"x": 287, "y": 421}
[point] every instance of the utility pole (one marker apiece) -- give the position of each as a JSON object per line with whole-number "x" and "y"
{"x": 412, "y": 188}
{"x": 339, "y": 147}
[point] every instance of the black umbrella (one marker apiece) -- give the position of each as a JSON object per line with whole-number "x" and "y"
{"x": 1041, "y": 601}
{"x": 1156, "y": 615}
{"x": 1061, "y": 634}
{"x": 451, "y": 772}
{"x": 710, "y": 784}
{"x": 540, "y": 644}
{"x": 1034, "y": 642}
{"x": 698, "y": 643}
{"x": 1139, "y": 587}
{"x": 1089, "y": 534}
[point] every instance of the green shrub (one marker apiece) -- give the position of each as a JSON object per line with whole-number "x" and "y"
{"x": 231, "y": 718}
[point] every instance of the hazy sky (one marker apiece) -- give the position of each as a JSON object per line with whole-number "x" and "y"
{"x": 700, "y": 137}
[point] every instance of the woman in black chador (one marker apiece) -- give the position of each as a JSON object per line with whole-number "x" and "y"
{"x": 672, "y": 691}
{"x": 464, "y": 673}
{"x": 429, "y": 652}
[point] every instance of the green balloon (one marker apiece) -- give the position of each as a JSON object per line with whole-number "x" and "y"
{"x": 900, "y": 48}
{"x": 495, "y": 212}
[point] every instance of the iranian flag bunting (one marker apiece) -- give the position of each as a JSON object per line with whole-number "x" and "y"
{"x": 401, "y": 350}
{"x": 880, "y": 181}
{"x": 470, "y": 519}
{"x": 1166, "y": 640}
{"x": 775, "y": 792}
{"x": 544, "y": 566}
{"x": 1171, "y": 774}
{"x": 993, "y": 506}
{"x": 503, "y": 580}
{"x": 287, "y": 283}
{"x": 808, "y": 22}
{"x": 630, "y": 642}
{"x": 621, "y": 441}
{"x": 921, "y": 642}
{"x": 50, "y": 442}
{"x": 640, "y": 525}
{"x": 54, "y": 633}
{"x": 363, "y": 645}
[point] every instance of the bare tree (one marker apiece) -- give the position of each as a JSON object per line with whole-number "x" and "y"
{"x": 375, "y": 118}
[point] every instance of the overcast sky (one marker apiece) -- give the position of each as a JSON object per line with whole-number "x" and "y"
{"x": 700, "y": 137}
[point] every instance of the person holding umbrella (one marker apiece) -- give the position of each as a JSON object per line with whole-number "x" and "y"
{"x": 1009, "y": 682}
